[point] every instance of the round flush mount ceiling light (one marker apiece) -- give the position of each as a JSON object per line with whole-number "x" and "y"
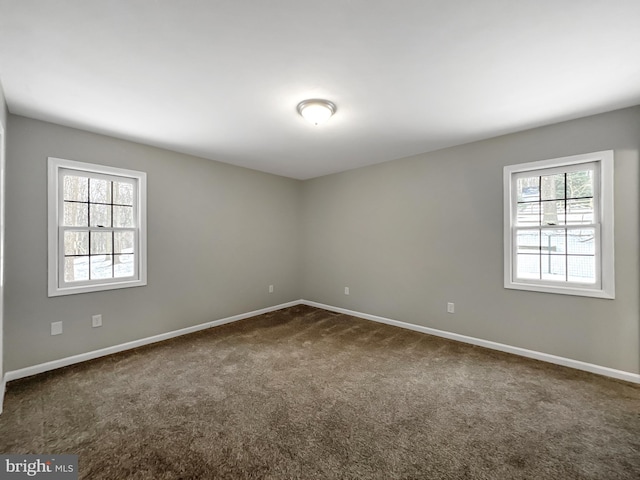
{"x": 316, "y": 111}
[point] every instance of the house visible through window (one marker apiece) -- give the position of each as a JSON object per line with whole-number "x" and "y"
{"x": 96, "y": 227}
{"x": 558, "y": 225}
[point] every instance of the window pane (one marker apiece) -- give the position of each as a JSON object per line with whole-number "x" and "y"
{"x": 553, "y": 242}
{"x": 123, "y": 266}
{"x": 553, "y": 213}
{"x": 564, "y": 205}
{"x": 76, "y": 243}
{"x": 580, "y": 184}
{"x": 552, "y": 187}
{"x": 75, "y": 188}
{"x": 528, "y": 241}
{"x": 100, "y": 215}
{"x": 122, "y": 193}
{"x": 75, "y": 215}
{"x": 76, "y": 269}
{"x": 580, "y": 211}
{"x": 101, "y": 266}
{"x": 582, "y": 269}
{"x": 99, "y": 190}
{"x": 554, "y": 268}
{"x": 123, "y": 242}
{"x": 528, "y": 266}
{"x": 101, "y": 242}
{"x": 528, "y": 214}
{"x": 581, "y": 242}
{"x": 528, "y": 189}
{"x": 123, "y": 216}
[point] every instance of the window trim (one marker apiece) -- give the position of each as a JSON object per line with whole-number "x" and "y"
{"x": 55, "y": 286}
{"x": 605, "y": 268}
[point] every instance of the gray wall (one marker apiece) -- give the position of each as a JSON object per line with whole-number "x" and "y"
{"x": 3, "y": 108}
{"x": 408, "y": 236}
{"x": 218, "y": 235}
{"x": 3, "y": 123}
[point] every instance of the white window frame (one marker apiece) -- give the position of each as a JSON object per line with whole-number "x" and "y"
{"x": 57, "y": 285}
{"x": 604, "y": 226}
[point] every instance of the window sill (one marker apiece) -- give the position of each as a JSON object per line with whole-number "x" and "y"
{"x": 577, "y": 291}
{"x": 96, "y": 287}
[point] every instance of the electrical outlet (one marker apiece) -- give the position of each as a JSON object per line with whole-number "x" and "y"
{"x": 56, "y": 328}
{"x": 346, "y": 290}
{"x": 451, "y": 307}
{"x": 270, "y": 288}
{"x": 96, "y": 321}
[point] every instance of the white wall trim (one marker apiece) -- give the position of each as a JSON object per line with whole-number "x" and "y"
{"x": 83, "y": 357}
{"x": 3, "y": 388}
{"x": 523, "y": 352}
{"x": 3, "y": 168}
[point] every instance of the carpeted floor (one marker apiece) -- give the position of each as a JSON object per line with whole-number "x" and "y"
{"x": 303, "y": 393}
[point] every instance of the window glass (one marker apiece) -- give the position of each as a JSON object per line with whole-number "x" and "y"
{"x": 95, "y": 237}
{"x": 557, "y": 239}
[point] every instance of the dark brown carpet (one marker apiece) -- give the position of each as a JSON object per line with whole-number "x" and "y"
{"x": 303, "y": 393}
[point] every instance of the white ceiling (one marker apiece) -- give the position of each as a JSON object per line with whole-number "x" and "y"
{"x": 221, "y": 78}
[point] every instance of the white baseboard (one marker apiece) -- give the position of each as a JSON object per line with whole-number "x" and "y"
{"x": 83, "y": 357}
{"x": 523, "y": 352}
{"x": 545, "y": 357}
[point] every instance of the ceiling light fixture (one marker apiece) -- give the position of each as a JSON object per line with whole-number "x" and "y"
{"x": 316, "y": 111}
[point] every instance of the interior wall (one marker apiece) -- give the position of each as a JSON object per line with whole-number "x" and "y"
{"x": 410, "y": 235}
{"x": 406, "y": 236}
{"x": 3, "y": 108}
{"x": 218, "y": 235}
{"x": 3, "y": 130}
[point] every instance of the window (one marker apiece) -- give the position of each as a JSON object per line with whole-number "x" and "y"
{"x": 558, "y": 225}
{"x": 97, "y": 218}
